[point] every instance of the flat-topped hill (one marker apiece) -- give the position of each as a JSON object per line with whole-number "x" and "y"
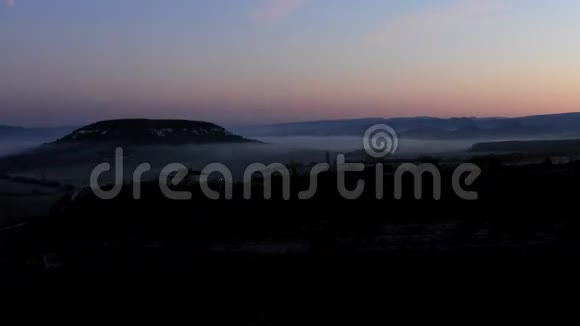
{"x": 151, "y": 132}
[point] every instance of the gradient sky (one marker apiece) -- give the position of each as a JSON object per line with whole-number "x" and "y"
{"x": 68, "y": 62}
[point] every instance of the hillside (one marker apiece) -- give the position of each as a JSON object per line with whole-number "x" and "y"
{"x": 565, "y": 125}
{"x": 159, "y": 142}
{"x": 151, "y": 132}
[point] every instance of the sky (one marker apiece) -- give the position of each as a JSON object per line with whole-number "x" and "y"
{"x": 236, "y": 62}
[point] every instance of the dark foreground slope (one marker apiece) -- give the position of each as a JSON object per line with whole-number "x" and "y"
{"x": 325, "y": 260}
{"x": 525, "y": 211}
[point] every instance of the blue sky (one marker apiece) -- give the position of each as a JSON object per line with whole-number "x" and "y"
{"x": 249, "y": 61}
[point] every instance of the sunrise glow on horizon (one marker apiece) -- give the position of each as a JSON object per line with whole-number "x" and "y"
{"x": 67, "y": 62}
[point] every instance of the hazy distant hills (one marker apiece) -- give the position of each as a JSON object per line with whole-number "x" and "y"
{"x": 558, "y": 125}
{"x": 16, "y": 139}
{"x": 566, "y": 125}
{"x": 8, "y": 133}
{"x": 151, "y": 132}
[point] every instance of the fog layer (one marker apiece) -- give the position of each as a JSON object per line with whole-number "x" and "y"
{"x": 8, "y": 147}
{"x": 351, "y": 143}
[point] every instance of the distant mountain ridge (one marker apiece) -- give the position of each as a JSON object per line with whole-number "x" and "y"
{"x": 557, "y": 125}
{"x": 151, "y": 132}
{"x": 22, "y": 133}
